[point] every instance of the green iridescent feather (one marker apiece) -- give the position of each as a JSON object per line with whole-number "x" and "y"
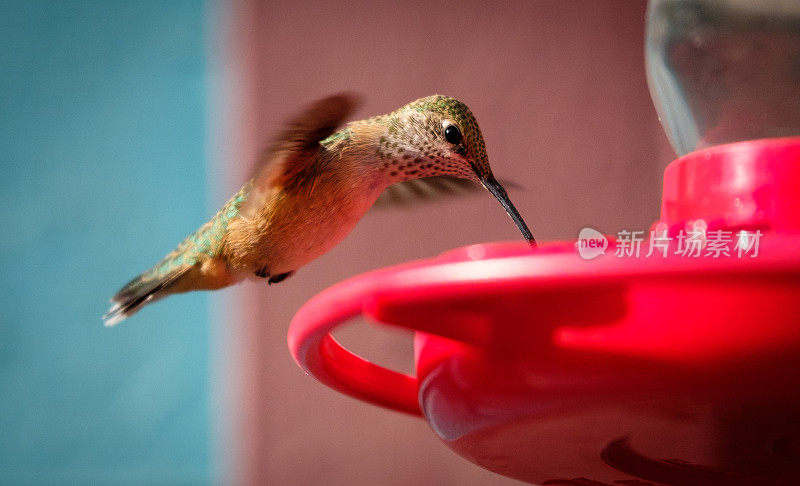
{"x": 205, "y": 242}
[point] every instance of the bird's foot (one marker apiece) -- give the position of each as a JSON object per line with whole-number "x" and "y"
{"x": 279, "y": 278}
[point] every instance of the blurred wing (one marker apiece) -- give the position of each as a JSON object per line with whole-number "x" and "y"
{"x": 295, "y": 147}
{"x": 414, "y": 191}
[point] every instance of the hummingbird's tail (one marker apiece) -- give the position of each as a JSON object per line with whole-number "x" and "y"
{"x": 148, "y": 287}
{"x": 190, "y": 266}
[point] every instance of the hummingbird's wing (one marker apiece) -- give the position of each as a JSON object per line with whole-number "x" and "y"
{"x": 295, "y": 147}
{"x": 424, "y": 189}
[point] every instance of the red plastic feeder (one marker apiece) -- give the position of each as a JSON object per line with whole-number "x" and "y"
{"x": 554, "y": 369}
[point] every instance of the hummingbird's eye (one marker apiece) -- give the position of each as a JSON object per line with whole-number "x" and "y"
{"x": 452, "y": 134}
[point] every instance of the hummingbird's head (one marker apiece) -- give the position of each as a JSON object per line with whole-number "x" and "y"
{"x": 431, "y": 136}
{"x": 435, "y": 136}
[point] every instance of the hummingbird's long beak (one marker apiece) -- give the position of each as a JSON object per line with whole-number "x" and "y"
{"x": 500, "y": 193}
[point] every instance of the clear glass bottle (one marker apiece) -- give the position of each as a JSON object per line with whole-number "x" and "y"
{"x": 724, "y": 70}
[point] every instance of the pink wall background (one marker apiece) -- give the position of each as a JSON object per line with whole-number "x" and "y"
{"x": 560, "y": 93}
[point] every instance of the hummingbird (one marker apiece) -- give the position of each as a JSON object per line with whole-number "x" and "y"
{"x": 313, "y": 184}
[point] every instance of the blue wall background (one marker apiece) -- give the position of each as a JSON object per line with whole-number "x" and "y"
{"x": 102, "y": 129}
